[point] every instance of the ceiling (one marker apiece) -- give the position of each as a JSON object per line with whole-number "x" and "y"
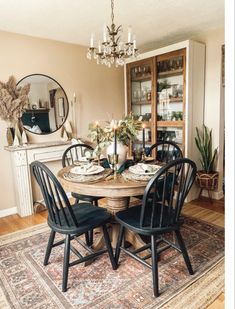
{"x": 155, "y": 22}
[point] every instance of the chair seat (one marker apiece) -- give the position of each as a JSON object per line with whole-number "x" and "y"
{"x": 130, "y": 219}
{"x": 86, "y": 198}
{"x": 87, "y": 216}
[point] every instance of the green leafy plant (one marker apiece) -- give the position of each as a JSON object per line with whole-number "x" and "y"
{"x": 204, "y": 144}
{"x": 163, "y": 85}
{"x": 126, "y": 128}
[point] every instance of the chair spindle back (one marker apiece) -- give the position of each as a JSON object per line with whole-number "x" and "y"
{"x": 74, "y": 153}
{"x": 171, "y": 183}
{"x": 59, "y": 209}
{"x": 166, "y": 151}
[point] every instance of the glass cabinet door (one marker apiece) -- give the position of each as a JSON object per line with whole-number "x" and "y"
{"x": 141, "y": 99}
{"x": 171, "y": 96}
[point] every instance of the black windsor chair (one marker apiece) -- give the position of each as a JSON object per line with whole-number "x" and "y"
{"x": 70, "y": 220}
{"x": 70, "y": 156}
{"x": 166, "y": 151}
{"x": 154, "y": 217}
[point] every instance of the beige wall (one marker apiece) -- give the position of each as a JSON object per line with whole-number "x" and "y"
{"x": 214, "y": 92}
{"x": 99, "y": 90}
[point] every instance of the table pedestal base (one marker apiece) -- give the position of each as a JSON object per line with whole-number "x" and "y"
{"x": 113, "y": 206}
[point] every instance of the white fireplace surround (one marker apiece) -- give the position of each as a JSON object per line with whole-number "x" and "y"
{"x": 21, "y": 158}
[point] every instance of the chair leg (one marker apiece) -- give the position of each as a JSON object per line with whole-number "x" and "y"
{"x": 87, "y": 238}
{"x": 184, "y": 251}
{"x": 90, "y": 233}
{"x": 109, "y": 247}
{"x": 119, "y": 243}
{"x": 154, "y": 266}
{"x": 66, "y": 263}
{"x": 49, "y": 247}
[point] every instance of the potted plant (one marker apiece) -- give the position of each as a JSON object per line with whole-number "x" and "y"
{"x": 207, "y": 178}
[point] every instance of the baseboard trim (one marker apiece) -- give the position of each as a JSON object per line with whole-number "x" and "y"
{"x": 8, "y": 211}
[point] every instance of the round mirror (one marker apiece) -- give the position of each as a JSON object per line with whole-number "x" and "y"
{"x": 47, "y": 107}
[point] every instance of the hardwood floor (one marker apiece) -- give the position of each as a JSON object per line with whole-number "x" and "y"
{"x": 201, "y": 208}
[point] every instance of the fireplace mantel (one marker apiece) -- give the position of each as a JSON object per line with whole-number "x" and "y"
{"x": 21, "y": 158}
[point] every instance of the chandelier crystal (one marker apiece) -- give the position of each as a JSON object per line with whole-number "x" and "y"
{"x": 112, "y": 50}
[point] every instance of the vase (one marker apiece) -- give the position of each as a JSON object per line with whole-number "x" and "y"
{"x": 10, "y": 134}
{"x": 24, "y": 138}
{"x": 121, "y": 151}
{"x": 17, "y": 138}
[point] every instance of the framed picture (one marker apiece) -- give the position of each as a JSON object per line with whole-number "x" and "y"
{"x": 61, "y": 107}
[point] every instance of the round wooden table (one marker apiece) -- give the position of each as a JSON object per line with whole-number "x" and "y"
{"x": 117, "y": 193}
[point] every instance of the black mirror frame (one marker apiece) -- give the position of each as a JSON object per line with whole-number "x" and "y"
{"x": 66, "y": 116}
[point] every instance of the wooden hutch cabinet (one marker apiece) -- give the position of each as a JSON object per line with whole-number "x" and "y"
{"x": 166, "y": 88}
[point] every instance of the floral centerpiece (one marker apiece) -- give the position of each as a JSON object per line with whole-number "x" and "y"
{"x": 13, "y": 100}
{"x": 125, "y": 129}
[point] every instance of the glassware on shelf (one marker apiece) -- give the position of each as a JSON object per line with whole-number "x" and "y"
{"x": 174, "y": 134}
{"x": 170, "y": 65}
{"x": 144, "y": 94}
{"x": 140, "y": 72}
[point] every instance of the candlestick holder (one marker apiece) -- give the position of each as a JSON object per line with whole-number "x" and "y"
{"x": 98, "y": 159}
{"x": 137, "y": 155}
{"x": 143, "y": 155}
{"x": 113, "y": 160}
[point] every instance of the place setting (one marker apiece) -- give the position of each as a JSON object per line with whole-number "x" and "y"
{"x": 87, "y": 172}
{"x": 141, "y": 172}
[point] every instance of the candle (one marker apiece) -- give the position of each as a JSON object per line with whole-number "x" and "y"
{"x": 74, "y": 114}
{"x": 92, "y": 41}
{"x": 99, "y": 47}
{"x": 105, "y": 34}
{"x": 134, "y": 43}
{"x": 143, "y": 126}
{"x": 129, "y": 35}
{"x": 115, "y": 139}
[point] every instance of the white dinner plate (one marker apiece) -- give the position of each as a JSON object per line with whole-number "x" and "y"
{"x": 144, "y": 169}
{"x": 87, "y": 170}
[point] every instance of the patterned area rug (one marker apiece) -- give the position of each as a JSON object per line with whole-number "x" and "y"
{"x": 26, "y": 283}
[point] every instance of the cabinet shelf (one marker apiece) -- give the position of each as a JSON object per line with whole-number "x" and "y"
{"x": 142, "y": 78}
{"x": 170, "y": 73}
{"x": 170, "y": 123}
{"x": 141, "y": 103}
{"x": 173, "y": 100}
{"x": 37, "y": 110}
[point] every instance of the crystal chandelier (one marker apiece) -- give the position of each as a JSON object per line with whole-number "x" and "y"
{"x": 112, "y": 50}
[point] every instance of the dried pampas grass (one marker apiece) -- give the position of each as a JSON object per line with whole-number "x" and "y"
{"x": 13, "y": 100}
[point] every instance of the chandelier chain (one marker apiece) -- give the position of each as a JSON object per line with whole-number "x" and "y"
{"x": 112, "y": 8}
